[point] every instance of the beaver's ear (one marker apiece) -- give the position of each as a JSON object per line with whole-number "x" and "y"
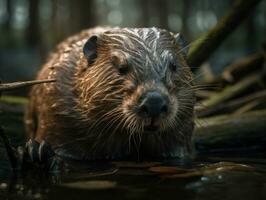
{"x": 90, "y": 49}
{"x": 180, "y": 40}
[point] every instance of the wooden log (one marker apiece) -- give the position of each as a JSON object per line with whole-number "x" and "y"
{"x": 237, "y": 70}
{"x": 203, "y": 47}
{"x": 231, "y": 132}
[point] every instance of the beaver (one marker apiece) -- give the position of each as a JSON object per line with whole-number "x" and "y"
{"x": 119, "y": 92}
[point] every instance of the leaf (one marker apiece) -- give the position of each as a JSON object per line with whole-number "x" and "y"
{"x": 91, "y": 185}
{"x": 169, "y": 170}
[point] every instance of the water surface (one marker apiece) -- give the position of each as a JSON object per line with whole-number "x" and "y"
{"x": 206, "y": 177}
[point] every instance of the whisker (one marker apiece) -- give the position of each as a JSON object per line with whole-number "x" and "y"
{"x": 185, "y": 47}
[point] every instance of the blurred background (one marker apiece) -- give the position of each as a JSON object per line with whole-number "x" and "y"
{"x": 29, "y": 29}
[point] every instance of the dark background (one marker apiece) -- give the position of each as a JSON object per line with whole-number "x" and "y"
{"x": 31, "y": 28}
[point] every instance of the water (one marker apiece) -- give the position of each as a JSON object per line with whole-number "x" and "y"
{"x": 206, "y": 177}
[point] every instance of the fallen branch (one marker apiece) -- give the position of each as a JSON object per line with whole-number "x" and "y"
{"x": 249, "y": 106}
{"x": 232, "y": 105}
{"x": 202, "y": 49}
{"x": 244, "y": 66}
{"x": 228, "y": 93}
{"x": 237, "y": 70}
{"x": 230, "y": 132}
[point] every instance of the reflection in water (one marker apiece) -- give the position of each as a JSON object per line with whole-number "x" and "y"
{"x": 202, "y": 179}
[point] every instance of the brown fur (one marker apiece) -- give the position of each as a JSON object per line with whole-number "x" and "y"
{"x": 89, "y": 112}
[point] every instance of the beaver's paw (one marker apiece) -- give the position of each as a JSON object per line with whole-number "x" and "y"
{"x": 42, "y": 155}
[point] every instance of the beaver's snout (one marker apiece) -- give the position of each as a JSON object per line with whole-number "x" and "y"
{"x": 153, "y": 105}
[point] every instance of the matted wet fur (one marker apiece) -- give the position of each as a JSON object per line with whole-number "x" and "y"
{"x": 90, "y": 112}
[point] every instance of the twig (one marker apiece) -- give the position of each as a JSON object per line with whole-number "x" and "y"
{"x": 16, "y": 85}
{"x": 230, "y": 91}
{"x": 247, "y": 107}
{"x": 232, "y": 105}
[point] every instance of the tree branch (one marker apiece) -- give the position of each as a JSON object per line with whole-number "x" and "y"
{"x": 209, "y": 42}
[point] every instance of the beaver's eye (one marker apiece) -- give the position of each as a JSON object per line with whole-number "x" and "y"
{"x": 173, "y": 67}
{"x": 121, "y": 64}
{"x": 123, "y": 69}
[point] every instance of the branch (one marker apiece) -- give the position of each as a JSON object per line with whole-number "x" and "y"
{"x": 16, "y": 85}
{"x": 244, "y": 66}
{"x": 228, "y": 93}
{"x": 209, "y": 42}
{"x": 234, "y": 104}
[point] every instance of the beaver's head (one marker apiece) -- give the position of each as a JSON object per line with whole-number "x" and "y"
{"x": 135, "y": 81}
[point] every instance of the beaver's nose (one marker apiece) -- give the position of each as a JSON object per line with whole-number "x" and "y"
{"x": 153, "y": 105}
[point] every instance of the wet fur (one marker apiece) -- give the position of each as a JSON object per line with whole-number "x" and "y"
{"x": 86, "y": 114}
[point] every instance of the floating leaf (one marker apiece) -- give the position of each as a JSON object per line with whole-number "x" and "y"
{"x": 91, "y": 185}
{"x": 205, "y": 170}
{"x": 168, "y": 170}
{"x": 140, "y": 165}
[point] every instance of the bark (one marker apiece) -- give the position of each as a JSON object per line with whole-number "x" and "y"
{"x": 237, "y": 70}
{"x": 231, "y": 132}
